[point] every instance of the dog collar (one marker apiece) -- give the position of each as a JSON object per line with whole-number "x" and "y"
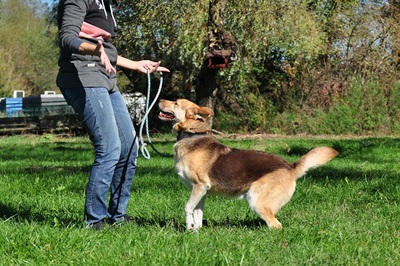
{"x": 184, "y": 135}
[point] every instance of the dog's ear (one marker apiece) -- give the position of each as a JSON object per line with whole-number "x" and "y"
{"x": 205, "y": 112}
{"x": 201, "y": 113}
{"x": 190, "y": 113}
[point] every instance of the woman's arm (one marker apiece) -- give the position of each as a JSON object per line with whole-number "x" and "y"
{"x": 70, "y": 21}
{"x": 91, "y": 49}
{"x": 141, "y": 66}
{"x": 71, "y": 14}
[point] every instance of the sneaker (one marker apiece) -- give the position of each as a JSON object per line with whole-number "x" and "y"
{"x": 128, "y": 218}
{"x": 98, "y": 225}
{"x": 123, "y": 220}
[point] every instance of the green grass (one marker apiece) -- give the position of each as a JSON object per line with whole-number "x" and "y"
{"x": 344, "y": 213}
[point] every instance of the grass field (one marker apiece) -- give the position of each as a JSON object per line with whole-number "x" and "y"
{"x": 345, "y": 213}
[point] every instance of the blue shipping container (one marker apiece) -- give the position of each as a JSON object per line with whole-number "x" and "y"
{"x": 13, "y": 106}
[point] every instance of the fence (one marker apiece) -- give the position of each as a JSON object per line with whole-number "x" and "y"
{"x": 37, "y": 114}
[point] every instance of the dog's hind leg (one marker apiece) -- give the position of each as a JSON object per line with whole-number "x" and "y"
{"x": 268, "y": 215}
{"x": 269, "y": 194}
{"x": 194, "y": 207}
{"x": 266, "y": 210}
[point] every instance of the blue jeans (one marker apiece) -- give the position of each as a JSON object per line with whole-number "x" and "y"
{"x": 106, "y": 117}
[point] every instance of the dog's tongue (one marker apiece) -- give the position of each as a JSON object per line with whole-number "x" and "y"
{"x": 166, "y": 115}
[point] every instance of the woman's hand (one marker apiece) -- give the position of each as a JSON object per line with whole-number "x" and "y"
{"x": 104, "y": 57}
{"x": 147, "y": 65}
{"x": 141, "y": 66}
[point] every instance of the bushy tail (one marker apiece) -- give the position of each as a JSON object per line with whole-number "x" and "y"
{"x": 313, "y": 159}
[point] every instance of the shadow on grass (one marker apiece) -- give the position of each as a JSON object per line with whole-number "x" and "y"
{"x": 326, "y": 173}
{"x": 24, "y": 214}
{"x": 178, "y": 225}
{"x": 63, "y": 151}
{"x": 250, "y": 223}
{"x": 57, "y": 169}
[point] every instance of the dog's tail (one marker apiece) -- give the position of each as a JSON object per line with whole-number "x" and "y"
{"x": 313, "y": 159}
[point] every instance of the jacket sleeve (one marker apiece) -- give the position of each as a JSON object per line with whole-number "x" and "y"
{"x": 70, "y": 18}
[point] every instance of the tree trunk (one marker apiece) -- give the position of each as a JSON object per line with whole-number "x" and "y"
{"x": 222, "y": 48}
{"x": 206, "y": 87}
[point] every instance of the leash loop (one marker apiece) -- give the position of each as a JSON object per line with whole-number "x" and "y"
{"x": 145, "y": 119}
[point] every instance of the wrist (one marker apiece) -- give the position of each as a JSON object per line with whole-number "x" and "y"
{"x": 90, "y": 49}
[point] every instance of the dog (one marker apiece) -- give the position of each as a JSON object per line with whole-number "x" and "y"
{"x": 208, "y": 167}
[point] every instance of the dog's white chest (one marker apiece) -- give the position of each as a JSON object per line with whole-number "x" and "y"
{"x": 183, "y": 171}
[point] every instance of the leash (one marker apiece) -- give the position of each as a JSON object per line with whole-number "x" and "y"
{"x": 145, "y": 119}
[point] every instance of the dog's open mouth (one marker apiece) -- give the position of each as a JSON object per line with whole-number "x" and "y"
{"x": 166, "y": 115}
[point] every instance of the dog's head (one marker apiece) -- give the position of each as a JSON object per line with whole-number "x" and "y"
{"x": 188, "y": 116}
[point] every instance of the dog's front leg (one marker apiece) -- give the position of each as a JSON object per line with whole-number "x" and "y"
{"x": 198, "y": 212}
{"x": 194, "y": 208}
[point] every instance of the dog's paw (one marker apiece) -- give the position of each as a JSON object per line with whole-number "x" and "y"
{"x": 193, "y": 228}
{"x": 276, "y": 225}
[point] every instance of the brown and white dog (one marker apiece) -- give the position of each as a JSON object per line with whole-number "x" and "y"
{"x": 208, "y": 167}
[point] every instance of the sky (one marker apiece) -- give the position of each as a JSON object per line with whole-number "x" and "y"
{"x": 49, "y": 2}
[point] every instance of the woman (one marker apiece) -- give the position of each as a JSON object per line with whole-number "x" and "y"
{"x": 87, "y": 79}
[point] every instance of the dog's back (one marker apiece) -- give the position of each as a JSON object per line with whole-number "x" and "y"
{"x": 229, "y": 171}
{"x": 233, "y": 173}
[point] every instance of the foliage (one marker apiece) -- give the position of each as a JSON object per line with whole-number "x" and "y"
{"x": 301, "y": 64}
{"x": 29, "y": 50}
{"x": 295, "y": 56}
{"x": 344, "y": 213}
{"x": 161, "y": 30}
{"x": 176, "y": 32}
{"x": 362, "y": 109}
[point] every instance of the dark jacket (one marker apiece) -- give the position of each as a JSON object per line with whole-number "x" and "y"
{"x": 77, "y": 70}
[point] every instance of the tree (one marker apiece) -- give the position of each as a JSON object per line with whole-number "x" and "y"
{"x": 29, "y": 48}
{"x": 177, "y": 33}
{"x": 221, "y": 50}
{"x": 392, "y": 16}
{"x": 292, "y": 56}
